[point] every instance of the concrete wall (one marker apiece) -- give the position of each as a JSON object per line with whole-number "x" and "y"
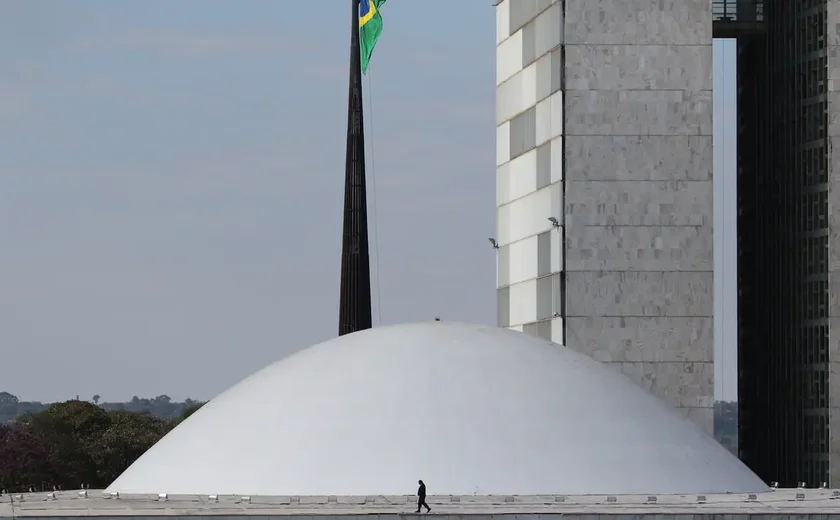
{"x": 605, "y": 123}
{"x": 833, "y": 51}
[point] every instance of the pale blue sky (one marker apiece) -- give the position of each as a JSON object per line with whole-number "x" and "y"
{"x": 726, "y": 258}
{"x": 171, "y": 185}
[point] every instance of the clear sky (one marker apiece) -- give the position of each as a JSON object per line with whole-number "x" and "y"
{"x": 171, "y": 180}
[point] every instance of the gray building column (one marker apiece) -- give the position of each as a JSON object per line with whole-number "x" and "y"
{"x": 628, "y": 122}
{"x": 832, "y": 105}
{"x": 639, "y": 216}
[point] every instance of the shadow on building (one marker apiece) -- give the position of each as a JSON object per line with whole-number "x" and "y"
{"x": 783, "y": 237}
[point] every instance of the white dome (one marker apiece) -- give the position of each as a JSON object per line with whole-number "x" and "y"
{"x": 468, "y": 409}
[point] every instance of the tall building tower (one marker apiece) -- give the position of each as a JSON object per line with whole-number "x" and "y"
{"x": 789, "y": 244}
{"x": 604, "y": 171}
{"x": 604, "y": 156}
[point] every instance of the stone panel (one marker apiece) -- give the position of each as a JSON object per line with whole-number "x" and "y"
{"x": 624, "y": 293}
{"x": 660, "y": 203}
{"x": 544, "y": 253}
{"x": 549, "y": 74}
{"x": 680, "y": 384}
{"x": 834, "y": 303}
{"x": 544, "y": 330}
{"x": 834, "y": 443}
{"x": 503, "y": 266}
{"x": 637, "y": 339}
{"x": 834, "y": 213}
{"x": 545, "y": 298}
{"x": 638, "y": 67}
{"x": 543, "y": 165}
{"x": 639, "y": 157}
{"x": 523, "y": 132}
{"x": 834, "y": 389}
{"x": 637, "y": 248}
{"x": 833, "y": 97}
{"x": 544, "y": 73}
{"x": 548, "y": 30}
{"x": 523, "y": 11}
{"x": 705, "y": 417}
{"x": 503, "y": 305}
{"x": 638, "y": 112}
{"x": 529, "y": 44}
{"x": 638, "y": 22}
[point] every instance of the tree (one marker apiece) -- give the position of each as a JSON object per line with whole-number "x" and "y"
{"x": 71, "y": 430}
{"x": 128, "y": 436}
{"x": 76, "y": 442}
{"x": 6, "y": 398}
{"x": 96, "y": 399}
{"x": 24, "y": 459}
{"x": 189, "y": 410}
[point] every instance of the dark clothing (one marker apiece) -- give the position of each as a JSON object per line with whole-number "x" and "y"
{"x": 421, "y": 502}
{"x": 421, "y": 498}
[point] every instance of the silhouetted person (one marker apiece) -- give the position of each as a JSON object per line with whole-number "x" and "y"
{"x": 421, "y": 497}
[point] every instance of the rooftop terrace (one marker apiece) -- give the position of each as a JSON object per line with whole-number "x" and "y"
{"x": 97, "y": 504}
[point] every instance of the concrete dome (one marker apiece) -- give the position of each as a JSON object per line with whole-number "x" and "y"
{"x": 469, "y": 409}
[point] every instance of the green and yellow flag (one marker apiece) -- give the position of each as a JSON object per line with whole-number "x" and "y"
{"x": 370, "y": 27}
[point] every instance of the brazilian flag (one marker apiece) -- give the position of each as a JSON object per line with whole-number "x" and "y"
{"x": 370, "y": 27}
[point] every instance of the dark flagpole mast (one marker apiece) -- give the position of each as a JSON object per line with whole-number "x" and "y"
{"x": 354, "y": 302}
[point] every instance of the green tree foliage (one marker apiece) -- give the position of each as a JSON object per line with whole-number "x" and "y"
{"x": 128, "y": 436}
{"x": 189, "y": 410}
{"x": 74, "y": 443}
{"x": 24, "y": 458}
{"x": 161, "y": 406}
{"x": 71, "y": 429}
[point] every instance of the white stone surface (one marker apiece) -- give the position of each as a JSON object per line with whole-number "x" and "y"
{"x": 469, "y": 409}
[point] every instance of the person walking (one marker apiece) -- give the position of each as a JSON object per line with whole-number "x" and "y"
{"x": 421, "y": 497}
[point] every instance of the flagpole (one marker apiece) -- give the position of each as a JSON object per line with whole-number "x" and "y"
{"x": 355, "y": 309}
